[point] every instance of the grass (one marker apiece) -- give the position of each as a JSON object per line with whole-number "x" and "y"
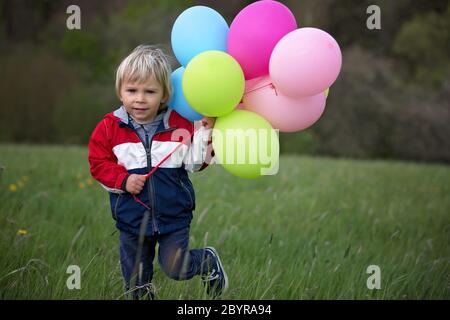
{"x": 310, "y": 232}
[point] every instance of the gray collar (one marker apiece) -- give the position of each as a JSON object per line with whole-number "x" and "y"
{"x": 163, "y": 115}
{"x": 154, "y": 122}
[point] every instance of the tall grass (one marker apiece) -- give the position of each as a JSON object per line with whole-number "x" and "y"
{"x": 309, "y": 232}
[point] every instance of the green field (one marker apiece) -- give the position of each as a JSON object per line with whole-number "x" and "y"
{"x": 310, "y": 232}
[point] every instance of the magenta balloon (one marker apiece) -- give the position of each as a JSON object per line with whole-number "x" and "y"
{"x": 305, "y": 62}
{"x": 284, "y": 113}
{"x": 254, "y": 33}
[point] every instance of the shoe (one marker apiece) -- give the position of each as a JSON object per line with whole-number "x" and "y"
{"x": 216, "y": 281}
{"x": 145, "y": 292}
{"x": 150, "y": 292}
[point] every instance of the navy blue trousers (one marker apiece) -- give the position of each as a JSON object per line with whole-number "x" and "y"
{"x": 174, "y": 257}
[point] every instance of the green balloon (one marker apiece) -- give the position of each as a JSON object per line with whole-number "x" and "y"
{"x": 245, "y": 144}
{"x": 213, "y": 83}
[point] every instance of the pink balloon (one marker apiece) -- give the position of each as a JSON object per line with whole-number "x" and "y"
{"x": 305, "y": 62}
{"x": 284, "y": 113}
{"x": 254, "y": 33}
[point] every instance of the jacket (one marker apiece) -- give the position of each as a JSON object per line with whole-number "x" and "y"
{"x": 116, "y": 151}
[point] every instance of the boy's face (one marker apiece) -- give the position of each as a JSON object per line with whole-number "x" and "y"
{"x": 142, "y": 99}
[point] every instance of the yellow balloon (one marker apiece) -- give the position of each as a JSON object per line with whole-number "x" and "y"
{"x": 213, "y": 83}
{"x": 326, "y": 92}
{"x": 246, "y": 145}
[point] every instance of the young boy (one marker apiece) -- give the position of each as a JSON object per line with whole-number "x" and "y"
{"x": 126, "y": 145}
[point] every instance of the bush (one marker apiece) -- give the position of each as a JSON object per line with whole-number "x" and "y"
{"x": 77, "y": 113}
{"x": 31, "y": 83}
{"x": 422, "y": 131}
{"x": 360, "y": 108}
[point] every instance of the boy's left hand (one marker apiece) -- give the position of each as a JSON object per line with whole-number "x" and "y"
{"x": 208, "y": 122}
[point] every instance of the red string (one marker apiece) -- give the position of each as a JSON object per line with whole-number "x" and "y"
{"x": 273, "y": 87}
{"x": 140, "y": 202}
{"x": 270, "y": 84}
{"x": 160, "y": 163}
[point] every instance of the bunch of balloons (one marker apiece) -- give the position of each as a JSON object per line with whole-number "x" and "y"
{"x": 262, "y": 72}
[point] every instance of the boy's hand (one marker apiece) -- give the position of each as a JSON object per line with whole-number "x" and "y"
{"x": 208, "y": 122}
{"x": 135, "y": 183}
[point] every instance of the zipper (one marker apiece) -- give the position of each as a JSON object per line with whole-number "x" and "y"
{"x": 188, "y": 192}
{"x": 117, "y": 204}
{"x": 150, "y": 191}
{"x": 151, "y": 188}
{"x": 147, "y": 146}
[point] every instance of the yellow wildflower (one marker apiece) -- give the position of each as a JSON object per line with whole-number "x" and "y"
{"x": 22, "y": 232}
{"x": 13, "y": 187}
{"x": 81, "y": 185}
{"x": 89, "y": 182}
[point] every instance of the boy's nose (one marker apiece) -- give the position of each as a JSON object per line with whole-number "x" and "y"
{"x": 140, "y": 98}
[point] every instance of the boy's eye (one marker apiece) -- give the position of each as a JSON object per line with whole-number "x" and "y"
{"x": 131, "y": 90}
{"x": 150, "y": 91}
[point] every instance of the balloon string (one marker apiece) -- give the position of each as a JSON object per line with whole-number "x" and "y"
{"x": 160, "y": 163}
{"x": 173, "y": 151}
{"x": 270, "y": 84}
{"x": 273, "y": 87}
{"x": 140, "y": 202}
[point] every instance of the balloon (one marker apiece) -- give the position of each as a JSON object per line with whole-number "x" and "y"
{"x": 254, "y": 33}
{"x": 245, "y": 144}
{"x": 213, "y": 83}
{"x": 284, "y": 113}
{"x": 305, "y": 62}
{"x": 196, "y": 30}
{"x": 178, "y": 101}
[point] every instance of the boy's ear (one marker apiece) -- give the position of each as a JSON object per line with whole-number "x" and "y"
{"x": 118, "y": 94}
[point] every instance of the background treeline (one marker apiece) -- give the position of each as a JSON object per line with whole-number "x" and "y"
{"x": 390, "y": 101}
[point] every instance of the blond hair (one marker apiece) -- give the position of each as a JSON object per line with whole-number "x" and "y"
{"x": 141, "y": 64}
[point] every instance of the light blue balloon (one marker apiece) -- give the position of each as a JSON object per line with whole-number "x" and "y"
{"x": 178, "y": 102}
{"x": 196, "y": 30}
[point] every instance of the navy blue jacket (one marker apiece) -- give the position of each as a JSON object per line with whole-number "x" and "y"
{"x": 116, "y": 151}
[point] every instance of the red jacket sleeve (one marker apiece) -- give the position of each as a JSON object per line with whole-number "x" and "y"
{"x": 102, "y": 161}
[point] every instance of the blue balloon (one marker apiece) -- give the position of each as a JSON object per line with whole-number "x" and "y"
{"x": 178, "y": 102}
{"x": 196, "y": 30}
